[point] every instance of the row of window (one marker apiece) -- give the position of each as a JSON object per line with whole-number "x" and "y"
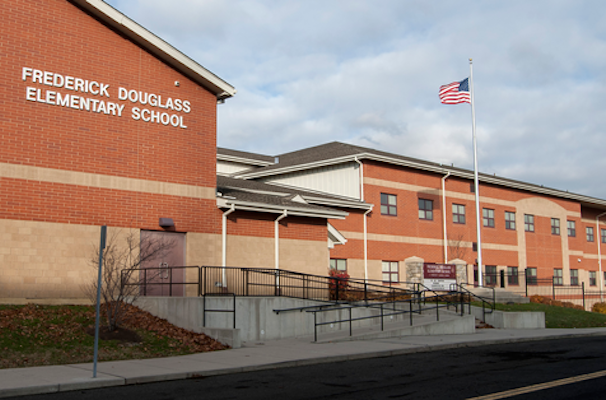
{"x": 390, "y": 273}
{"x": 389, "y": 207}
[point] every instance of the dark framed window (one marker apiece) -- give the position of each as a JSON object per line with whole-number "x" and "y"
{"x": 574, "y": 277}
{"x": 488, "y": 217}
{"x": 458, "y": 213}
{"x": 339, "y": 264}
{"x": 390, "y": 271}
{"x": 510, "y": 220}
{"x": 572, "y": 228}
{"x": 557, "y": 277}
{"x": 529, "y": 223}
{"x": 389, "y": 205}
{"x": 555, "y": 226}
{"x": 491, "y": 275}
{"x": 531, "y": 276}
{"x": 603, "y": 235}
{"x": 589, "y": 233}
{"x": 425, "y": 209}
{"x": 512, "y": 276}
{"x": 593, "y": 281}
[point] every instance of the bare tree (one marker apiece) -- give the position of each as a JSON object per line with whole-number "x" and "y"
{"x": 123, "y": 257}
{"x": 457, "y": 248}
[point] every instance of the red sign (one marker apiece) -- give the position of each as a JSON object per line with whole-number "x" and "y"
{"x": 439, "y": 271}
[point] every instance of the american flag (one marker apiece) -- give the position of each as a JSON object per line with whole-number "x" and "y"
{"x": 455, "y": 93}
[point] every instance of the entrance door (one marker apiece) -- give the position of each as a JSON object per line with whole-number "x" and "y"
{"x": 164, "y": 277}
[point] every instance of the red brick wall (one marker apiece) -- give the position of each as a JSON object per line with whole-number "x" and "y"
{"x": 246, "y": 223}
{"x": 56, "y": 36}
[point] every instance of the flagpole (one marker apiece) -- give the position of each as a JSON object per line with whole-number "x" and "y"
{"x": 475, "y": 174}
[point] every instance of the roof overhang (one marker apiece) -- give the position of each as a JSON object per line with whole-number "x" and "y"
{"x": 242, "y": 160}
{"x": 156, "y": 46}
{"x": 279, "y": 209}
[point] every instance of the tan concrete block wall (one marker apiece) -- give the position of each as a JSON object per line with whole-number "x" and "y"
{"x": 41, "y": 260}
{"x": 308, "y": 256}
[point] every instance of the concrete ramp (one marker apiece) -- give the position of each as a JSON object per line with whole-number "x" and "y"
{"x": 426, "y": 324}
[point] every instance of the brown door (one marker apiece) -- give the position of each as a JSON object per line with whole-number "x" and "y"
{"x": 163, "y": 274}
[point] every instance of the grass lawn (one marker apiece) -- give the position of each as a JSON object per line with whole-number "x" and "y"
{"x": 560, "y": 317}
{"x": 49, "y": 335}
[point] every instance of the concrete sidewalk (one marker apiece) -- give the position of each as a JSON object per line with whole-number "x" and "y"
{"x": 253, "y": 357}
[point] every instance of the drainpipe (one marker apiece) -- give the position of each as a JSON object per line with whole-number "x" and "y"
{"x": 598, "y": 234}
{"x": 444, "y": 216}
{"x": 366, "y": 244}
{"x": 361, "y": 178}
{"x": 277, "y": 244}
{"x": 365, "y": 221}
{"x": 224, "y": 243}
{"x": 277, "y": 237}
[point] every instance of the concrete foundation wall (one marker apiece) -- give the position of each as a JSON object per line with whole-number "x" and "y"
{"x": 512, "y": 320}
{"x": 255, "y": 316}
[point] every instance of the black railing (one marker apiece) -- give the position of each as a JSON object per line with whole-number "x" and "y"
{"x": 210, "y": 280}
{"x": 411, "y": 306}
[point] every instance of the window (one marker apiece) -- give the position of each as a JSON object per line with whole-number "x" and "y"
{"x": 531, "y": 276}
{"x": 529, "y": 223}
{"x": 592, "y": 278}
{"x": 491, "y": 275}
{"x": 425, "y": 209}
{"x": 572, "y": 228}
{"x": 510, "y": 220}
{"x": 488, "y": 217}
{"x": 458, "y": 213}
{"x": 574, "y": 277}
{"x": 603, "y": 235}
{"x": 589, "y": 232}
{"x": 388, "y": 204}
{"x": 555, "y": 226}
{"x": 390, "y": 272}
{"x": 338, "y": 264}
{"x": 557, "y": 277}
{"x": 512, "y": 276}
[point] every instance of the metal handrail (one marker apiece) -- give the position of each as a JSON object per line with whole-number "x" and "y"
{"x": 491, "y": 305}
{"x": 382, "y": 315}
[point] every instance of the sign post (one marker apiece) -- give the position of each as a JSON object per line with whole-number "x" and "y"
{"x": 98, "y": 306}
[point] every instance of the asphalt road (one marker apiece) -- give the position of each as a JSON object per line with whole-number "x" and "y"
{"x": 449, "y": 374}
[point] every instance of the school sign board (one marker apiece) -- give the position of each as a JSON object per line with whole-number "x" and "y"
{"x": 439, "y": 276}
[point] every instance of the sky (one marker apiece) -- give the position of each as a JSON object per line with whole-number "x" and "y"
{"x": 367, "y": 72}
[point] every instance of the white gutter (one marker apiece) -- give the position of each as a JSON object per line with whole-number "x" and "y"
{"x": 366, "y": 244}
{"x": 224, "y": 242}
{"x": 598, "y": 234}
{"x": 444, "y": 216}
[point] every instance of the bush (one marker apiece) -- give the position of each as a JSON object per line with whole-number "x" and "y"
{"x": 551, "y": 302}
{"x": 599, "y": 308}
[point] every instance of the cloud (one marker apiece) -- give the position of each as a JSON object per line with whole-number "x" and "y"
{"x": 309, "y": 72}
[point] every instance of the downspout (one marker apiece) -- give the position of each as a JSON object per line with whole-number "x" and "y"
{"x": 365, "y": 221}
{"x": 224, "y": 244}
{"x": 444, "y": 216}
{"x": 277, "y": 245}
{"x": 598, "y": 234}
{"x": 366, "y": 244}
{"x": 277, "y": 237}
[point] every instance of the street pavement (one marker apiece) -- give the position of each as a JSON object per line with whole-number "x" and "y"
{"x": 254, "y": 357}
